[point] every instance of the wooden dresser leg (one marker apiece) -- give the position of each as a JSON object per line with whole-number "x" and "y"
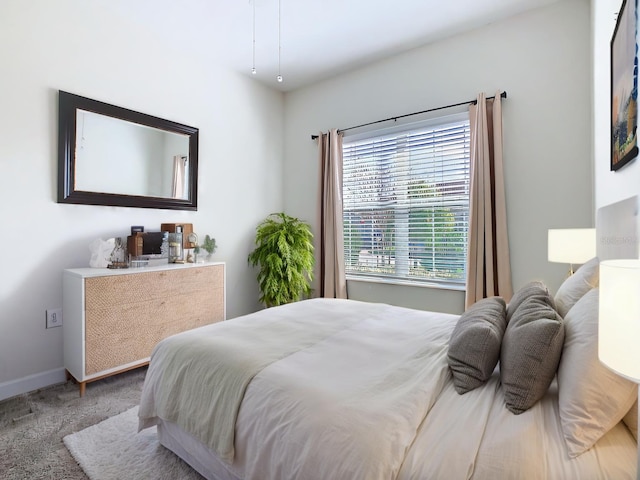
{"x": 82, "y": 385}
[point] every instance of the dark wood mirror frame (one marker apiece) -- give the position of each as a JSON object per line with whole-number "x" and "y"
{"x": 68, "y": 104}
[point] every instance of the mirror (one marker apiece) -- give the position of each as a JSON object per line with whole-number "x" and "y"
{"x": 109, "y": 155}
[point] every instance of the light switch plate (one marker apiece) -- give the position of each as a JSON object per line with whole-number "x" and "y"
{"x": 54, "y": 317}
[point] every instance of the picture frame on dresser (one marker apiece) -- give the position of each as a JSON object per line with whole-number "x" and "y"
{"x": 624, "y": 86}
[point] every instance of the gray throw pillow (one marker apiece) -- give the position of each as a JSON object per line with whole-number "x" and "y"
{"x": 474, "y": 346}
{"x": 531, "y": 350}
{"x": 534, "y": 288}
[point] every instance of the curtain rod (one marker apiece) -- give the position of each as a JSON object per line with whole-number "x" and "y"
{"x": 502, "y": 95}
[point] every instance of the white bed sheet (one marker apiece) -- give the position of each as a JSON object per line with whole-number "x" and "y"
{"x": 194, "y": 452}
{"x": 312, "y": 434}
{"x": 529, "y": 446}
{"x": 438, "y": 454}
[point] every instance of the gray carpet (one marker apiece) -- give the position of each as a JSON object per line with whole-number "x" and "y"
{"x": 32, "y": 426}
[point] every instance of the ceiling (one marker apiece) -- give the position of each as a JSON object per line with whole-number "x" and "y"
{"x": 319, "y": 38}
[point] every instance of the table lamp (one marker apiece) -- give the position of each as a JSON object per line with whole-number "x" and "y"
{"x": 574, "y": 246}
{"x": 619, "y": 319}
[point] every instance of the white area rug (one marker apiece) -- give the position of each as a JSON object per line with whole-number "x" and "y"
{"x": 113, "y": 449}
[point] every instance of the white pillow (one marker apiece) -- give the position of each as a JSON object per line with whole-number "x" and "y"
{"x": 575, "y": 286}
{"x": 592, "y": 399}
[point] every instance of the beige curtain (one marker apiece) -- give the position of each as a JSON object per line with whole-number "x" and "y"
{"x": 333, "y": 283}
{"x": 488, "y": 264}
{"x": 179, "y": 172}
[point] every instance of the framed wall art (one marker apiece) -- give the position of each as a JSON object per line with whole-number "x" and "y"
{"x": 624, "y": 86}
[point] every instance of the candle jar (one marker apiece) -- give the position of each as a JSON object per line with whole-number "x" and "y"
{"x": 176, "y": 252}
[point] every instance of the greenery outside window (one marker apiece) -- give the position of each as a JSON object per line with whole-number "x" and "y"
{"x": 406, "y": 203}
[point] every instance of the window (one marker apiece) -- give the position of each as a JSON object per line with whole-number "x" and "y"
{"x": 406, "y": 203}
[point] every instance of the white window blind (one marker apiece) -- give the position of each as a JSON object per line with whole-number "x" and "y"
{"x": 406, "y": 203}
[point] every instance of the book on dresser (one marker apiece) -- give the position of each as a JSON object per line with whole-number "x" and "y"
{"x": 114, "y": 318}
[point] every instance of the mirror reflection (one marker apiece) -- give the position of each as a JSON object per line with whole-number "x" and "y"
{"x": 117, "y": 156}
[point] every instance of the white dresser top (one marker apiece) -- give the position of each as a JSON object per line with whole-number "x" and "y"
{"x": 101, "y": 272}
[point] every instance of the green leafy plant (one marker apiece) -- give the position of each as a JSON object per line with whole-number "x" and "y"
{"x": 284, "y": 253}
{"x": 209, "y": 244}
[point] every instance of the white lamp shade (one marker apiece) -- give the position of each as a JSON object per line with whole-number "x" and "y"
{"x": 572, "y": 245}
{"x": 619, "y": 317}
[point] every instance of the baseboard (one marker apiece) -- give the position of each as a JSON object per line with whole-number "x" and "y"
{"x": 30, "y": 383}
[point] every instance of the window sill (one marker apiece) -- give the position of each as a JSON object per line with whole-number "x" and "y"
{"x": 406, "y": 283}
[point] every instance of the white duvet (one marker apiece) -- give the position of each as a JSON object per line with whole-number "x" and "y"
{"x": 359, "y": 391}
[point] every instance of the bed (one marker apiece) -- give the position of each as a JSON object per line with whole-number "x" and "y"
{"x": 342, "y": 389}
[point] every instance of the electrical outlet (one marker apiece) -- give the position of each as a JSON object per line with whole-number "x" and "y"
{"x": 54, "y": 317}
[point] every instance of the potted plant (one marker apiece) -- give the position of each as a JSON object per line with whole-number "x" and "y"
{"x": 209, "y": 246}
{"x": 284, "y": 253}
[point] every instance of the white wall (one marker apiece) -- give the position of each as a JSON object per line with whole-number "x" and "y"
{"x": 542, "y": 59}
{"x": 609, "y": 186}
{"x": 92, "y": 49}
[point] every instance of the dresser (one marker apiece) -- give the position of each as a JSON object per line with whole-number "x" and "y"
{"x": 114, "y": 318}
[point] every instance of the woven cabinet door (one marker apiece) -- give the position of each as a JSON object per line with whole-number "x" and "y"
{"x": 127, "y": 315}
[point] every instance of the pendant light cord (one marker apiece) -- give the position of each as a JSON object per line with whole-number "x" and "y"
{"x": 253, "y": 68}
{"x": 279, "y": 77}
